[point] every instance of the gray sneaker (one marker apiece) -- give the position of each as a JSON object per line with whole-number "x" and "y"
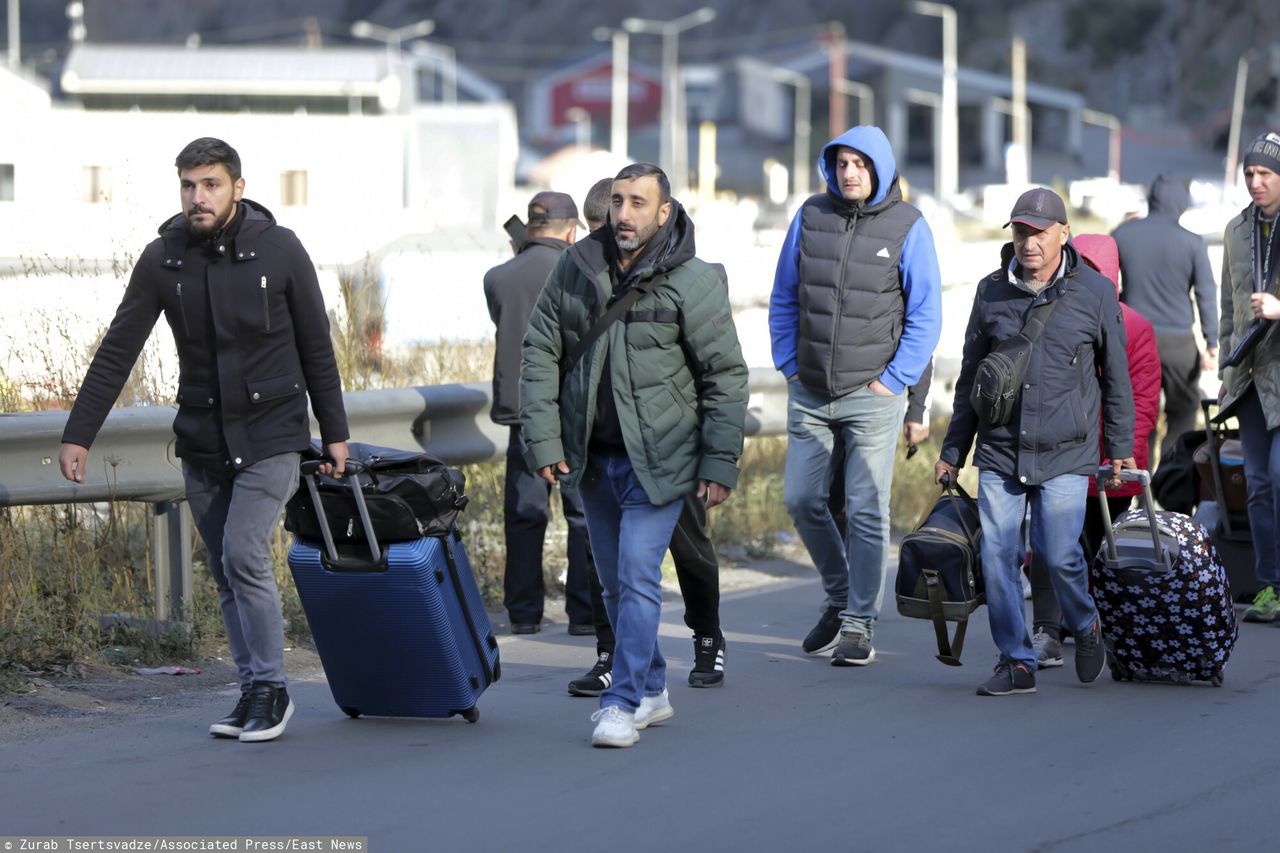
{"x": 1048, "y": 650}
{"x": 1091, "y": 655}
{"x": 854, "y": 650}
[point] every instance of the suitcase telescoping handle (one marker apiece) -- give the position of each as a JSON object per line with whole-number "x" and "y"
{"x": 1215, "y": 465}
{"x": 1130, "y": 475}
{"x": 308, "y": 471}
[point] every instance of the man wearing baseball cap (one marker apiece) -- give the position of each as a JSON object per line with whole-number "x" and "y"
{"x": 512, "y": 289}
{"x": 1043, "y": 454}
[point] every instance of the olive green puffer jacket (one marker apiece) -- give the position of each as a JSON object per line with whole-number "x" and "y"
{"x": 1262, "y": 366}
{"x": 679, "y": 379}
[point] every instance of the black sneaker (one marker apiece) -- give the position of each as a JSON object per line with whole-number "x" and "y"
{"x": 1091, "y": 655}
{"x": 1015, "y": 678}
{"x": 708, "y": 661}
{"x": 854, "y": 650}
{"x": 825, "y": 634}
{"x": 597, "y": 680}
{"x": 231, "y": 724}
{"x": 269, "y": 711}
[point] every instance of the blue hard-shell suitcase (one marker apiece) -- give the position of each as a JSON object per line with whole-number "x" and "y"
{"x": 401, "y": 629}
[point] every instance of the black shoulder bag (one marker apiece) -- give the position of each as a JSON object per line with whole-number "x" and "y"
{"x": 997, "y": 382}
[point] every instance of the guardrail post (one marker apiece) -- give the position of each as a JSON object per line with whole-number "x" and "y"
{"x": 171, "y": 555}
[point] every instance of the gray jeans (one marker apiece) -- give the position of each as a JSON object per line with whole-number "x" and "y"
{"x": 236, "y": 519}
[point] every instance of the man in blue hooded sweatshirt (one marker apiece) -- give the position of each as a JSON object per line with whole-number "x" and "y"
{"x": 854, "y": 317}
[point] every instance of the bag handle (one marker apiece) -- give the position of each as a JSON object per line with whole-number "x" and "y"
{"x": 309, "y": 471}
{"x": 948, "y": 650}
{"x": 950, "y": 489}
{"x": 1148, "y": 505}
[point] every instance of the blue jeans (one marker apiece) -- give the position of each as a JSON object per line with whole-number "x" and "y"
{"x": 853, "y": 569}
{"x": 236, "y": 518}
{"x": 1057, "y": 517}
{"x": 1261, "y": 473}
{"x": 629, "y": 535}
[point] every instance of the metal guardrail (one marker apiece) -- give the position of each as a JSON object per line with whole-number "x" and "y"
{"x": 132, "y": 458}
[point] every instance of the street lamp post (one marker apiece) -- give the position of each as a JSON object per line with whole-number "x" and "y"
{"x": 620, "y": 86}
{"x": 15, "y": 41}
{"x": 802, "y": 130}
{"x": 673, "y": 148}
{"x": 392, "y": 37}
{"x": 866, "y": 98}
{"x": 1237, "y": 117}
{"x": 947, "y": 159}
{"x": 581, "y": 121}
{"x": 1112, "y": 123}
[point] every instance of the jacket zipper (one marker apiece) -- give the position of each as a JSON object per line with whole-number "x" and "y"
{"x": 850, "y": 227}
{"x": 182, "y": 309}
{"x": 266, "y": 308}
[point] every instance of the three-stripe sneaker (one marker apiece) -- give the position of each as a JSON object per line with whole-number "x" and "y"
{"x": 708, "y": 661}
{"x": 597, "y": 680}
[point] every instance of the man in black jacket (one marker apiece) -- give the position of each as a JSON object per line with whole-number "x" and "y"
{"x": 1161, "y": 265}
{"x": 1044, "y": 454}
{"x": 248, "y": 319}
{"x": 511, "y": 290}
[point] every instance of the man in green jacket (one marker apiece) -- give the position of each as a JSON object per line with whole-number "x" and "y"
{"x": 645, "y": 411}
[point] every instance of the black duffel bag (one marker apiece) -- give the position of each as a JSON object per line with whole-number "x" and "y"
{"x": 940, "y": 569}
{"x": 409, "y": 494}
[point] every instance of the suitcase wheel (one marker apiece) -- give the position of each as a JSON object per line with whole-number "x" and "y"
{"x": 1216, "y": 679}
{"x": 353, "y": 713}
{"x": 471, "y": 714}
{"x": 1119, "y": 672}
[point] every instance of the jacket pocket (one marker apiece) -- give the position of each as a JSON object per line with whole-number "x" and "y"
{"x": 196, "y": 396}
{"x": 266, "y": 305}
{"x": 274, "y": 388}
{"x": 182, "y": 312}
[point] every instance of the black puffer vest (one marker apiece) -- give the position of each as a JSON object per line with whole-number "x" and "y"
{"x": 851, "y": 300}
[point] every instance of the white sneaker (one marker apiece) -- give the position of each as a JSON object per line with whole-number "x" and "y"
{"x": 614, "y": 727}
{"x": 654, "y": 710}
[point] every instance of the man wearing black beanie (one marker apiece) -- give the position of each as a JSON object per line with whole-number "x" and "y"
{"x": 1251, "y": 372}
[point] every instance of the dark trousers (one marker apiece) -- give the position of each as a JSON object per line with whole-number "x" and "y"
{"x": 1045, "y": 612}
{"x": 1180, "y": 382}
{"x": 697, "y": 572}
{"x": 525, "y": 511}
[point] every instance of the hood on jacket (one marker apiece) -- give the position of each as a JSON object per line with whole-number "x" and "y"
{"x": 249, "y": 210}
{"x": 1100, "y": 252}
{"x": 671, "y": 246}
{"x": 1168, "y": 195}
{"x": 871, "y": 142}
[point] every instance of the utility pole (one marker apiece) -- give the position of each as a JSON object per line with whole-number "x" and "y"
{"x": 839, "y": 118}
{"x": 15, "y": 39}
{"x": 1021, "y": 127}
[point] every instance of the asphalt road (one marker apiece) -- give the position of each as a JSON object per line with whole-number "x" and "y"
{"x": 791, "y": 754}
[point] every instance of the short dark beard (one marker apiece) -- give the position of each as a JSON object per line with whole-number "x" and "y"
{"x": 215, "y": 228}
{"x": 640, "y": 238}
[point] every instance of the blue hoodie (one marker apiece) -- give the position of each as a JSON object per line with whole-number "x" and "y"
{"x": 918, "y": 267}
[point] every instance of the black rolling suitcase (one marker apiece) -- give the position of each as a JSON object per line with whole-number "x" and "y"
{"x": 1224, "y": 515}
{"x": 400, "y": 627}
{"x": 1162, "y": 595}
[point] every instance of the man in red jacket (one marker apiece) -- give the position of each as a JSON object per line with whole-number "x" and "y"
{"x": 1101, "y": 253}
